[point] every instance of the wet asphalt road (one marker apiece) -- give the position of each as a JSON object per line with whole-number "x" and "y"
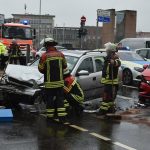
{"x": 33, "y": 132}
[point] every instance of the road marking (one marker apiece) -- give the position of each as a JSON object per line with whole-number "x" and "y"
{"x": 78, "y": 128}
{"x": 123, "y": 146}
{"x": 100, "y": 136}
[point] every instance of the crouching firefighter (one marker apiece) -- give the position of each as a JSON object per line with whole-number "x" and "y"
{"x": 110, "y": 80}
{"x": 73, "y": 93}
{"x": 52, "y": 64}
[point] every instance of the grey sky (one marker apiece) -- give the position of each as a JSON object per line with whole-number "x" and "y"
{"x": 68, "y": 12}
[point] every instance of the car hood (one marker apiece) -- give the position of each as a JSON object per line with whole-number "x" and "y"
{"x": 27, "y": 74}
{"x": 133, "y": 64}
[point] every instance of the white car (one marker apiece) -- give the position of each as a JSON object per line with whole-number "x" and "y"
{"x": 144, "y": 52}
{"x": 42, "y": 50}
{"x": 131, "y": 64}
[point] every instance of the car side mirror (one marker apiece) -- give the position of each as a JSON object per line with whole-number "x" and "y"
{"x": 82, "y": 73}
{"x": 145, "y": 66}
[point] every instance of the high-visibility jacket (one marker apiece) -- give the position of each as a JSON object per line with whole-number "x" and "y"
{"x": 110, "y": 71}
{"x": 14, "y": 50}
{"x": 52, "y": 64}
{"x": 72, "y": 87}
{"x": 2, "y": 49}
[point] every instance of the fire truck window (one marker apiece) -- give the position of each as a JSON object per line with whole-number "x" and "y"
{"x": 20, "y": 33}
{"x": 12, "y": 32}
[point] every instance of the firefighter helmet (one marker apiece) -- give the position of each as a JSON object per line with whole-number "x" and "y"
{"x": 48, "y": 40}
{"x": 110, "y": 47}
{"x": 14, "y": 41}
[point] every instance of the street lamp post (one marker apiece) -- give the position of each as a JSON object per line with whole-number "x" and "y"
{"x": 39, "y": 24}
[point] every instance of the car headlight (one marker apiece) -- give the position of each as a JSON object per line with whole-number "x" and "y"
{"x": 138, "y": 69}
{"x": 148, "y": 82}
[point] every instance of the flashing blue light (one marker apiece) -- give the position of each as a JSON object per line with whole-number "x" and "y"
{"x": 25, "y": 22}
{"x": 124, "y": 48}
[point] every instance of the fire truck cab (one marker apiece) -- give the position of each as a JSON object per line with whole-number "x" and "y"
{"x": 23, "y": 33}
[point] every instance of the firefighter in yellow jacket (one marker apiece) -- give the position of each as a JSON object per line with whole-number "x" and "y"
{"x": 52, "y": 64}
{"x": 110, "y": 79}
{"x": 73, "y": 93}
{"x": 2, "y": 52}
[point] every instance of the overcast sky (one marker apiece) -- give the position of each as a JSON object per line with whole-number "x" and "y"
{"x": 69, "y": 12}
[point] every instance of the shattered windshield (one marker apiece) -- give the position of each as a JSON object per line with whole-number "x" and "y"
{"x": 17, "y": 32}
{"x": 71, "y": 62}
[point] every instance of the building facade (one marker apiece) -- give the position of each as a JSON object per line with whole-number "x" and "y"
{"x": 69, "y": 36}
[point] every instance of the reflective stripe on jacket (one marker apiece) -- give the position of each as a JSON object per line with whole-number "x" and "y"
{"x": 110, "y": 72}
{"x": 52, "y": 64}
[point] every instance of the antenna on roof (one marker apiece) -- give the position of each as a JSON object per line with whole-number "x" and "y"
{"x": 25, "y": 7}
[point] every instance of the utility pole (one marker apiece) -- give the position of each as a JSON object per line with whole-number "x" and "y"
{"x": 39, "y": 24}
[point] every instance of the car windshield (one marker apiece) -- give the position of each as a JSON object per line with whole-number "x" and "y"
{"x": 71, "y": 62}
{"x": 17, "y": 32}
{"x": 129, "y": 56}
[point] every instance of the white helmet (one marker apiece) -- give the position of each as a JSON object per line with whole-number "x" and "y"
{"x": 14, "y": 41}
{"x": 48, "y": 40}
{"x": 110, "y": 47}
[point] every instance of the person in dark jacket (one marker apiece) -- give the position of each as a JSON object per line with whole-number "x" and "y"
{"x": 14, "y": 52}
{"x": 110, "y": 79}
{"x": 53, "y": 64}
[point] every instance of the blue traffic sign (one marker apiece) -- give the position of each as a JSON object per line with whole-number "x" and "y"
{"x": 103, "y": 19}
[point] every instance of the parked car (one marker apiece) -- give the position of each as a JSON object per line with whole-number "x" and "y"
{"x": 135, "y": 43}
{"x": 43, "y": 50}
{"x": 86, "y": 66}
{"x": 144, "y": 85}
{"x": 144, "y": 52}
{"x": 131, "y": 62}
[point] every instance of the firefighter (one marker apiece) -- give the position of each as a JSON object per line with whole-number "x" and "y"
{"x": 109, "y": 79}
{"x": 2, "y": 52}
{"x": 14, "y": 52}
{"x": 73, "y": 93}
{"x": 52, "y": 64}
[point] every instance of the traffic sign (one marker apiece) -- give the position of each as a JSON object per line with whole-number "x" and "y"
{"x": 83, "y": 19}
{"x": 103, "y": 16}
{"x": 103, "y": 13}
{"x": 103, "y": 19}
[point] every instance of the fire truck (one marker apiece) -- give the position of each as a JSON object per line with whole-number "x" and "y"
{"x": 22, "y": 33}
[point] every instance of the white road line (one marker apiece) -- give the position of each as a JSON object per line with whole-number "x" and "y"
{"x": 78, "y": 128}
{"x": 100, "y": 136}
{"x": 123, "y": 146}
{"x": 109, "y": 140}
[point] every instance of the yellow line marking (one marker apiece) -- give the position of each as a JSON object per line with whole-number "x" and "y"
{"x": 66, "y": 123}
{"x": 123, "y": 146}
{"x": 78, "y": 128}
{"x": 100, "y": 136}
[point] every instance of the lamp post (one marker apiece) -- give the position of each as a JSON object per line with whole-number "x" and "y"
{"x": 39, "y": 24}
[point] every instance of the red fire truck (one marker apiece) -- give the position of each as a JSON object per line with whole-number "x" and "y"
{"x": 22, "y": 33}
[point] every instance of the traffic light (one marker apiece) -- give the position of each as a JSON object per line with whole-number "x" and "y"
{"x": 79, "y": 33}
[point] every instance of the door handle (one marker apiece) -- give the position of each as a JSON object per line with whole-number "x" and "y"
{"x": 94, "y": 78}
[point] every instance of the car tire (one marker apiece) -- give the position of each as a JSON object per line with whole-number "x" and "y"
{"x": 37, "y": 57}
{"x": 127, "y": 77}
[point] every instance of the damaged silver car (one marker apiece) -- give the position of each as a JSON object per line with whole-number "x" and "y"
{"x": 23, "y": 83}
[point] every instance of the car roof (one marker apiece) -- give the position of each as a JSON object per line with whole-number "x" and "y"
{"x": 79, "y": 53}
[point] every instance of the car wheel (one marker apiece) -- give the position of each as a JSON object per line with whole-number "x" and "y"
{"x": 37, "y": 57}
{"x": 127, "y": 77}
